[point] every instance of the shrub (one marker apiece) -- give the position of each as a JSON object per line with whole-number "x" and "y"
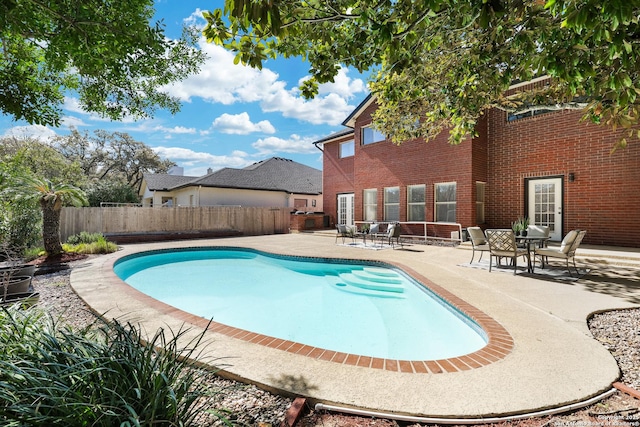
{"x": 99, "y": 376}
{"x": 89, "y": 243}
{"x": 84, "y": 237}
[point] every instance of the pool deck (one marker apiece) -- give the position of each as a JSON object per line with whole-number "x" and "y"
{"x": 549, "y": 360}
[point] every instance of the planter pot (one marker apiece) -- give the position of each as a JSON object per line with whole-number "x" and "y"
{"x": 25, "y": 300}
{"x": 18, "y": 270}
{"x": 16, "y": 285}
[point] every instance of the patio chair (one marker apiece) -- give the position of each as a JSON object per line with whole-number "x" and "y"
{"x": 393, "y": 232}
{"x": 566, "y": 251}
{"x": 344, "y": 231}
{"x": 502, "y": 244}
{"x": 541, "y": 231}
{"x": 478, "y": 242}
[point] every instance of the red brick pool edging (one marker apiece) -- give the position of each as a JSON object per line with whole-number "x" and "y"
{"x": 499, "y": 345}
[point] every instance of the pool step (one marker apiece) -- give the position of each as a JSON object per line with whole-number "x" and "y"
{"x": 390, "y": 285}
{"x": 373, "y": 276}
{"x": 379, "y": 271}
{"x": 344, "y": 287}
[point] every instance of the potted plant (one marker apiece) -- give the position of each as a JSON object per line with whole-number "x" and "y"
{"x": 516, "y": 226}
{"x": 520, "y": 226}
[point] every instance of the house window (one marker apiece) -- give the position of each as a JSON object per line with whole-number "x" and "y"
{"x": 300, "y": 203}
{"x": 415, "y": 202}
{"x": 392, "y": 204}
{"x": 445, "y": 201}
{"x": 370, "y": 135}
{"x": 346, "y": 149}
{"x": 480, "y": 187}
{"x": 517, "y": 115}
{"x": 370, "y": 204}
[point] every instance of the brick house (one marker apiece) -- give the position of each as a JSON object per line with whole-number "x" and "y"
{"x": 547, "y": 165}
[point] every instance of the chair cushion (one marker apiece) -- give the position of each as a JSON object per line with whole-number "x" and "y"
{"x": 568, "y": 240}
{"x": 477, "y": 236}
{"x": 552, "y": 252}
{"x": 374, "y": 228}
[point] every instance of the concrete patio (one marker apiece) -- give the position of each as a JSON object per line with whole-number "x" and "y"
{"x": 554, "y": 360}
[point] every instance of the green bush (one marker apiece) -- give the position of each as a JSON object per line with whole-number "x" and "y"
{"x": 89, "y": 243}
{"x": 84, "y": 237}
{"x": 99, "y": 376}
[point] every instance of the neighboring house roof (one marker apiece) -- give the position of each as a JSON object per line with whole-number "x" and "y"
{"x": 164, "y": 181}
{"x": 273, "y": 174}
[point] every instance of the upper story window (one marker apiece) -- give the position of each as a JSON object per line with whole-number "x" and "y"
{"x": 370, "y": 136}
{"x": 445, "y": 201}
{"x": 512, "y": 117}
{"x": 416, "y": 196}
{"x": 347, "y": 149}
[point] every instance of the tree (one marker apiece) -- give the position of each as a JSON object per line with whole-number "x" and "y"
{"x": 114, "y": 157}
{"x": 439, "y": 64}
{"x": 41, "y": 159}
{"x": 110, "y": 53}
{"x": 19, "y": 219}
{"x": 51, "y": 198}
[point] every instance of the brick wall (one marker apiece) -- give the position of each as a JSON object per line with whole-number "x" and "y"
{"x": 337, "y": 176}
{"x": 604, "y": 198}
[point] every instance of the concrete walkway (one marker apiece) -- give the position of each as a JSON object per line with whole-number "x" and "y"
{"x": 554, "y": 360}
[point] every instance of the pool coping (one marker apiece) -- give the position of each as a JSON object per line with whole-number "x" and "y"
{"x": 550, "y": 362}
{"x": 499, "y": 341}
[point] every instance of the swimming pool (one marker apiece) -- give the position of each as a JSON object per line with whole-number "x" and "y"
{"x": 364, "y": 308}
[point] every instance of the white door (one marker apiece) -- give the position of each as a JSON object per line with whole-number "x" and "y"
{"x": 545, "y": 204}
{"x": 345, "y": 209}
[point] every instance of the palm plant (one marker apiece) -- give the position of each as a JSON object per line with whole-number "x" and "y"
{"x": 52, "y": 197}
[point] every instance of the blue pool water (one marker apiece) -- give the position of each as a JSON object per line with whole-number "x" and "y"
{"x": 359, "y": 308}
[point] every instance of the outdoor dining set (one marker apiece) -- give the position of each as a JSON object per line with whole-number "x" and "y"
{"x": 372, "y": 233}
{"x": 529, "y": 243}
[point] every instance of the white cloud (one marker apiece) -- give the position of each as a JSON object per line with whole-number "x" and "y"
{"x": 73, "y": 122}
{"x": 222, "y": 81}
{"x": 176, "y": 130}
{"x": 240, "y": 124}
{"x": 39, "y": 132}
{"x": 294, "y": 144}
{"x": 343, "y": 85}
{"x": 196, "y": 163}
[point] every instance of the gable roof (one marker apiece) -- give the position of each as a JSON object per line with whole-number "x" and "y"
{"x": 273, "y": 174}
{"x": 165, "y": 181}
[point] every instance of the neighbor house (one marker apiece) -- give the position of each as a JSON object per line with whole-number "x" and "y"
{"x": 547, "y": 165}
{"x": 275, "y": 182}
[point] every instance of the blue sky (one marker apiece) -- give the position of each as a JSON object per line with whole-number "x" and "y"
{"x": 231, "y": 115}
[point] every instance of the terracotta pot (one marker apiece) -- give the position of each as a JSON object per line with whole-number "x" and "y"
{"x": 16, "y": 285}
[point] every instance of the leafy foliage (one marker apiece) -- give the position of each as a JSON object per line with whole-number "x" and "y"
{"x": 109, "y": 160}
{"x": 20, "y": 220}
{"x": 89, "y": 243}
{"x": 51, "y": 198}
{"x": 439, "y": 64}
{"x": 100, "y": 376}
{"x": 110, "y": 53}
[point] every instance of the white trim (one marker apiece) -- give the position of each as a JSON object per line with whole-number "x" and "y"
{"x": 536, "y": 80}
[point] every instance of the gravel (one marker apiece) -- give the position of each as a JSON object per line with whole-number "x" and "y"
{"x": 618, "y": 331}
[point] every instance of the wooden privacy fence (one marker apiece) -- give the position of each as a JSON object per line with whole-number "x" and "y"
{"x": 140, "y": 220}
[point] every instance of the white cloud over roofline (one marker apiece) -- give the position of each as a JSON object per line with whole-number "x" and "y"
{"x": 293, "y": 144}
{"x": 240, "y": 124}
